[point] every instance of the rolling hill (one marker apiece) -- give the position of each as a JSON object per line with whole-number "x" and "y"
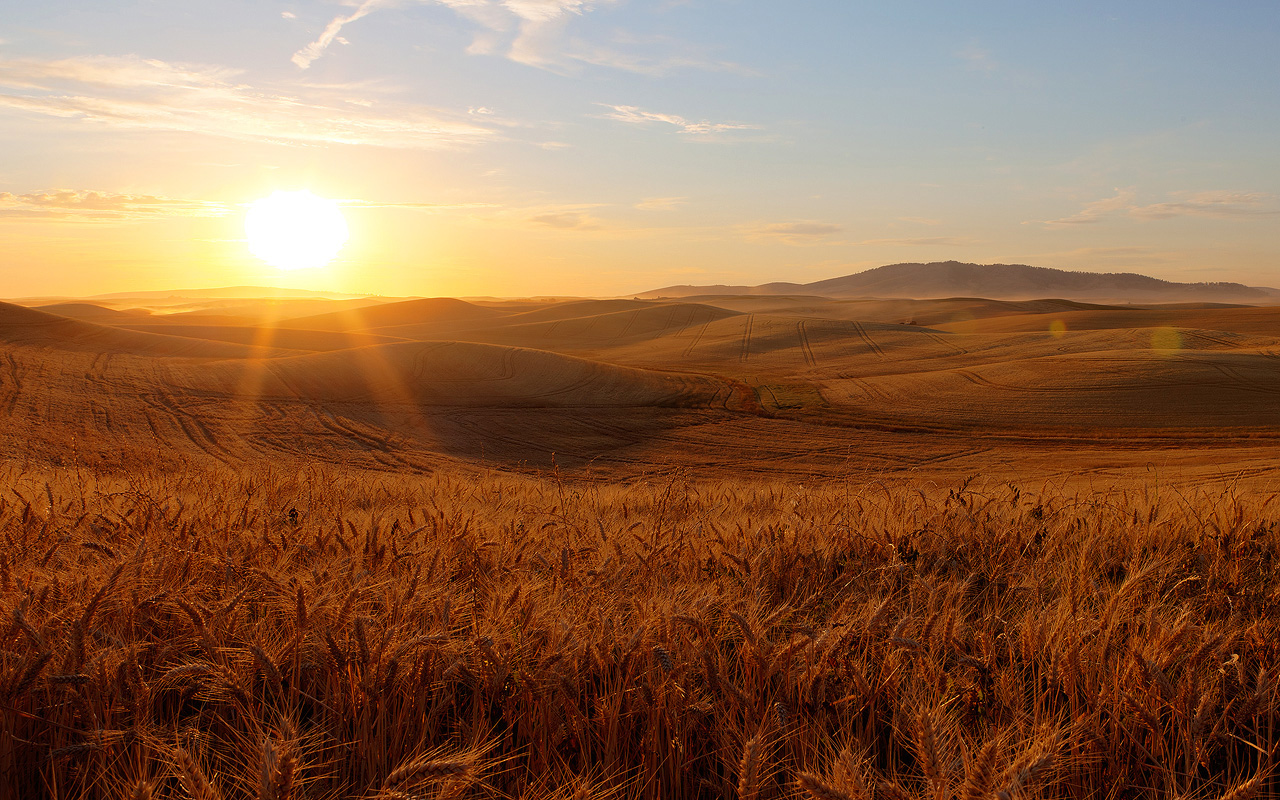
{"x": 768, "y": 382}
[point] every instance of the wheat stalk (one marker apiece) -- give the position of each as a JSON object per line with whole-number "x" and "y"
{"x": 749, "y": 766}
{"x": 193, "y": 778}
{"x": 927, "y": 750}
{"x": 977, "y": 785}
{"x": 1245, "y": 790}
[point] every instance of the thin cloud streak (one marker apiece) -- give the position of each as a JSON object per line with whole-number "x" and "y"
{"x": 533, "y": 33}
{"x": 311, "y": 52}
{"x": 978, "y": 59}
{"x": 103, "y": 206}
{"x": 1216, "y": 204}
{"x": 796, "y": 232}
{"x": 567, "y": 220}
{"x": 922, "y": 241}
{"x": 661, "y": 203}
{"x": 413, "y": 206}
{"x": 133, "y": 93}
{"x": 1232, "y": 205}
{"x": 637, "y": 116}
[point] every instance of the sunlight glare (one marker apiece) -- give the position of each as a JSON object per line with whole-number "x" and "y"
{"x": 295, "y": 230}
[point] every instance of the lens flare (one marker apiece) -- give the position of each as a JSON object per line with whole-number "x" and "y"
{"x": 1166, "y": 339}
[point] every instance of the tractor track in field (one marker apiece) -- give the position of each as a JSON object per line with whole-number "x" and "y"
{"x": 688, "y": 351}
{"x": 746, "y": 339}
{"x": 942, "y": 340}
{"x": 862, "y": 333}
{"x": 806, "y": 349}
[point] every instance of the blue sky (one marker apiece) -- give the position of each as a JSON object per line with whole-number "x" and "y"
{"x": 502, "y": 147}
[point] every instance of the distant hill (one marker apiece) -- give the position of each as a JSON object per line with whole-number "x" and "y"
{"x": 229, "y": 292}
{"x": 92, "y": 313}
{"x": 429, "y": 309}
{"x": 29, "y": 327}
{"x": 995, "y": 281}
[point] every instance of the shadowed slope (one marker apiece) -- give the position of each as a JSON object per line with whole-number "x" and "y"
{"x": 285, "y": 338}
{"x": 576, "y": 309}
{"x": 30, "y": 327}
{"x": 455, "y": 374}
{"x": 567, "y": 331}
{"x": 118, "y": 396}
{"x": 1263, "y": 320}
{"x": 1188, "y": 390}
{"x": 91, "y": 312}
{"x": 429, "y": 310}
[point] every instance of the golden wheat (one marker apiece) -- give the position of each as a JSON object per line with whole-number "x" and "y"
{"x": 629, "y": 638}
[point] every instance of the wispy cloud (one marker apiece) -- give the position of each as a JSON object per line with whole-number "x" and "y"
{"x": 815, "y": 232}
{"x": 1108, "y": 258}
{"x": 1123, "y": 254}
{"x": 413, "y": 206}
{"x": 103, "y": 206}
{"x": 311, "y": 52}
{"x": 567, "y": 220}
{"x": 1219, "y": 204}
{"x": 141, "y": 94}
{"x": 661, "y": 203}
{"x": 978, "y": 59}
{"x": 805, "y": 228}
{"x": 920, "y": 220}
{"x": 1098, "y": 210}
{"x": 98, "y": 206}
{"x": 922, "y": 241}
{"x": 797, "y": 232}
{"x": 535, "y": 33}
{"x": 110, "y": 72}
{"x": 637, "y": 116}
{"x": 1231, "y": 205}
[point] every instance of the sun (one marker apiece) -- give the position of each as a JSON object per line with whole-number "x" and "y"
{"x": 295, "y": 230}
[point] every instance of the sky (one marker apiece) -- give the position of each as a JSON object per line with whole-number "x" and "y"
{"x": 607, "y": 147}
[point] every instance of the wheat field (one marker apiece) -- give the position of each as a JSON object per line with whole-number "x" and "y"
{"x": 331, "y": 633}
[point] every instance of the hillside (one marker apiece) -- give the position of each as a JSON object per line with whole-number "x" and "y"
{"x": 405, "y": 312}
{"x": 739, "y": 384}
{"x": 995, "y": 281}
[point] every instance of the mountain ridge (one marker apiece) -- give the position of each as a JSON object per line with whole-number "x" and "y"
{"x": 995, "y": 281}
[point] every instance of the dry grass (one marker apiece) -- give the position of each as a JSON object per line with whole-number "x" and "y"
{"x": 335, "y": 635}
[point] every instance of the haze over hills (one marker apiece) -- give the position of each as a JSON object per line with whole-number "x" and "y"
{"x": 994, "y": 281}
{"x": 229, "y": 292}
